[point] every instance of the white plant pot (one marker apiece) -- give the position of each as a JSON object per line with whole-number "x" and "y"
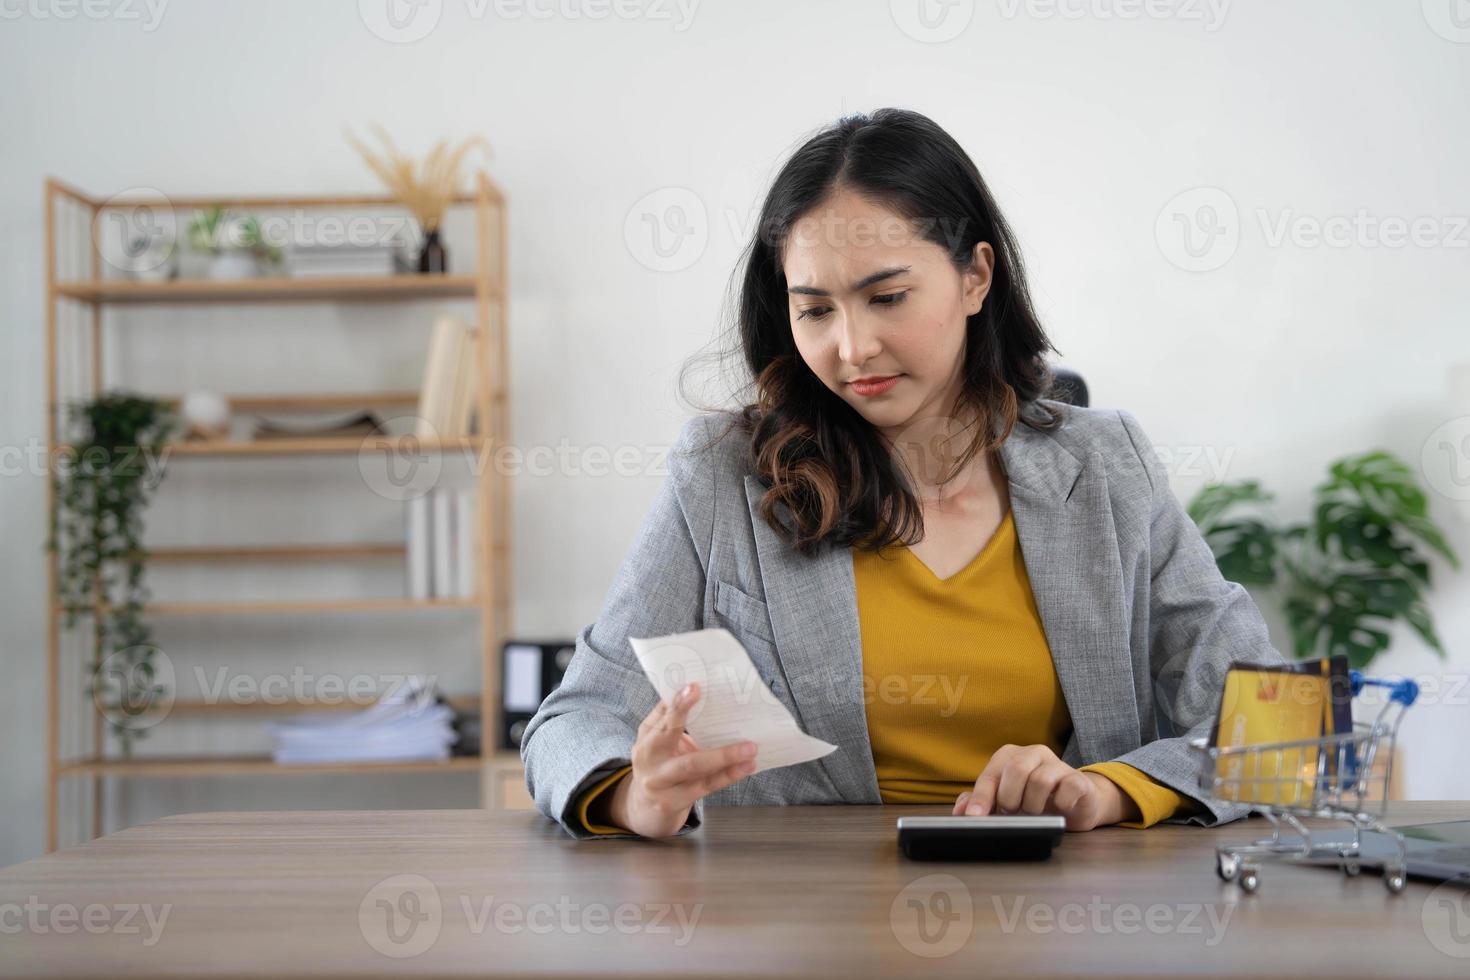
{"x": 233, "y": 264}
{"x": 194, "y": 265}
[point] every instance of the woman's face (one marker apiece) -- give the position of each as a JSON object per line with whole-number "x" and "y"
{"x": 870, "y": 298}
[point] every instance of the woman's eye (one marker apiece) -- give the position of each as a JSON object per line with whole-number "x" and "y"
{"x": 886, "y": 299}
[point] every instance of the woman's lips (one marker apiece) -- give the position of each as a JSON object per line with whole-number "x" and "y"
{"x": 869, "y": 389}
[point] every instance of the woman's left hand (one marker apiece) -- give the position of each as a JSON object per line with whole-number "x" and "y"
{"x": 1031, "y": 779}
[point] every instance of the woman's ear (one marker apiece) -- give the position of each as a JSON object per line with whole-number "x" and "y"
{"x": 978, "y": 276}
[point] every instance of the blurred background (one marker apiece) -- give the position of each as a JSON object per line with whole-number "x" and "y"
{"x": 1246, "y": 223}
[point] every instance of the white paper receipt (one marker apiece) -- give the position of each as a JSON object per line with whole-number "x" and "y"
{"x": 734, "y": 704}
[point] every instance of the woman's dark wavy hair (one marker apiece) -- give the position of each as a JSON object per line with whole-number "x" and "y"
{"x": 820, "y": 458}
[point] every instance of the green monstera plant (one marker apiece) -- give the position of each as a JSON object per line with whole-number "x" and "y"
{"x": 1347, "y": 575}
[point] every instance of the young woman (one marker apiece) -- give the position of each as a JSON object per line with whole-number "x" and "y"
{"x": 982, "y": 596}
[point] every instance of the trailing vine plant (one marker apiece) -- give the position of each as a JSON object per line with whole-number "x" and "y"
{"x": 103, "y": 481}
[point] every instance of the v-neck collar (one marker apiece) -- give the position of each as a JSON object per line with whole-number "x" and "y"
{"x": 981, "y": 557}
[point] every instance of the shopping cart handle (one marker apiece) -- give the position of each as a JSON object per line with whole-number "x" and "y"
{"x": 1405, "y": 691}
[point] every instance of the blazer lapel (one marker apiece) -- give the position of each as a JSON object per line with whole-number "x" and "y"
{"x": 1064, "y": 521}
{"x": 812, "y": 602}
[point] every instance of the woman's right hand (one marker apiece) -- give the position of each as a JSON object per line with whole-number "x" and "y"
{"x": 670, "y": 772}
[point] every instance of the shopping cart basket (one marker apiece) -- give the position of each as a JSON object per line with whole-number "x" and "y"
{"x": 1332, "y": 777}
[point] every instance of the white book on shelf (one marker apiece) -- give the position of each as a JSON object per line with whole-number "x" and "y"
{"x": 466, "y": 386}
{"x": 465, "y": 528}
{"x": 443, "y": 546}
{"x": 447, "y": 342}
{"x": 418, "y": 540}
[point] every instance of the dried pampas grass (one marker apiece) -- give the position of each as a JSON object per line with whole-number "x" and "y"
{"x": 425, "y": 190}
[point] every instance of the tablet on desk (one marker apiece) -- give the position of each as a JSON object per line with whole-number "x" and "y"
{"x": 993, "y": 838}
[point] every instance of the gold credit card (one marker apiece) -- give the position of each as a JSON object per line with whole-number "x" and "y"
{"x": 1265, "y": 706}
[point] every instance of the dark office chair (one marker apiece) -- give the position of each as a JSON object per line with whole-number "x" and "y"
{"x": 1068, "y": 387}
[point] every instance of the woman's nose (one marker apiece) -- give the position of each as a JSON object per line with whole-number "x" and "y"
{"x": 857, "y": 341}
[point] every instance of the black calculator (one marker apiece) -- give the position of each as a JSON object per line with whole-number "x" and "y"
{"x": 995, "y": 838}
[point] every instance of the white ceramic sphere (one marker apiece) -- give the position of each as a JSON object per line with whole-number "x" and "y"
{"x": 205, "y": 409}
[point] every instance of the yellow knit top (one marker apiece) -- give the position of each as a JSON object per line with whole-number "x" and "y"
{"x": 953, "y": 669}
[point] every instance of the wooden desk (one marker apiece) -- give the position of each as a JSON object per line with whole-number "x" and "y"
{"x": 818, "y": 891}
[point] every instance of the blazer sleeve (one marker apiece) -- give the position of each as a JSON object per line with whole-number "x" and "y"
{"x": 584, "y": 731}
{"x": 1199, "y": 624}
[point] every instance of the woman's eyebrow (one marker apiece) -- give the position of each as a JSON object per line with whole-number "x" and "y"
{"x": 862, "y": 283}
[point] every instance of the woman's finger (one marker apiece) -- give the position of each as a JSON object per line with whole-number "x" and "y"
{"x": 651, "y": 720}
{"x": 982, "y": 797}
{"x": 671, "y": 725}
{"x": 695, "y": 766}
{"x": 1010, "y": 790}
{"x": 960, "y": 804}
{"x": 723, "y": 778}
{"x": 1041, "y": 784}
{"x": 1071, "y": 792}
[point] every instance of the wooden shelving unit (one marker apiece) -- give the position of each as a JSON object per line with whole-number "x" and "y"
{"x": 76, "y": 286}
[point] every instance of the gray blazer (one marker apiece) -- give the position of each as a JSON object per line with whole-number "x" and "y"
{"x": 1140, "y": 623}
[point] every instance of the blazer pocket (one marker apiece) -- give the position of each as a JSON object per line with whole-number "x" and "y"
{"x": 744, "y": 615}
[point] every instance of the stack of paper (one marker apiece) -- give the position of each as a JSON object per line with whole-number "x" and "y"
{"x": 322, "y": 261}
{"x": 406, "y": 725}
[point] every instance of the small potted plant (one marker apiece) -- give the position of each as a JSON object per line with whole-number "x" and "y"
{"x": 223, "y": 245}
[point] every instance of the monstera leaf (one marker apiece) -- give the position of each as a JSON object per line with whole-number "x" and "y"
{"x": 1244, "y": 547}
{"x": 1368, "y": 505}
{"x": 1351, "y": 573}
{"x": 1351, "y": 614}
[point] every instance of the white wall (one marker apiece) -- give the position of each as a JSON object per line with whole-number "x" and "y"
{"x": 1087, "y": 127}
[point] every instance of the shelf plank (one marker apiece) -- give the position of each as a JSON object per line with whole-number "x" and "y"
{"x": 327, "y": 445}
{"x": 343, "y": 401}
{"x": 261, "y": 202}
{"x": 280, "y": 552}
{"x": 268, "y": 289}
{"x": 459, "y": 702}
{"x": 294, "y": 606}
{"x": 191, "y": 766}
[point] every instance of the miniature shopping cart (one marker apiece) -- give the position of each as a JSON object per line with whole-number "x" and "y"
{"x": 1332, "y": 777}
